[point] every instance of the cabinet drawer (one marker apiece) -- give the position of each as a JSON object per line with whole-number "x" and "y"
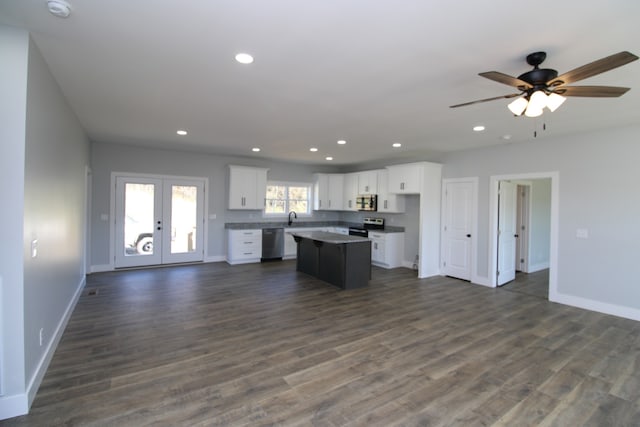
{"x": 245, "y": 233}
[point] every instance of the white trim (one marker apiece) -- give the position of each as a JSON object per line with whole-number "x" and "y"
{"x": 537, "y": 267}
{"x": 593, "y": 305}
{"x": 13, "y": 405}
{"x": 481, "y": 280}
{"x": 101, "y": 268}
{"x": 555, "y": 216}
{"x": 216, "y": 258}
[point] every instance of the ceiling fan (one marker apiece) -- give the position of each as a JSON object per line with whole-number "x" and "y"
{"x": 543, "y": 87}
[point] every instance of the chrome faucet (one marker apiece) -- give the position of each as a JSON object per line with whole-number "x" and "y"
{"x": 295, "y": 215}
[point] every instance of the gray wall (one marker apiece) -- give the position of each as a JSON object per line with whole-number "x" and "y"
{"x": 539, "y": 234}
{"x": 108, "y": 158}
{"x": 57, "y": 153}
{"x": 14, "y": 49}
{"x": 598, "y": 176}
{"x": 44, "y": 153}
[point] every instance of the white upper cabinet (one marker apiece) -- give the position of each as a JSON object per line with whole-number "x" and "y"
{"x": 405, "y": 179}
{"x": 328, "y": 191}
{"x": 247, "y": 187}
{"x": 368, "y": 182}
{"x": 388, "y": 202}
{"x": 350, "y": 192}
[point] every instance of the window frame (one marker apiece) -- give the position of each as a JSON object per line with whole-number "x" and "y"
{"x": 289, "y": 184}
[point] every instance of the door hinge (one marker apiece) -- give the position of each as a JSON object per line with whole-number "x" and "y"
{"x": 444, "y": 264}
{"x": 497, "y": 272}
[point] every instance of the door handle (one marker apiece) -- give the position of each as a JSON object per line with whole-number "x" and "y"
{"x": 468, "y": 235}
{"x": 515, "y": 235}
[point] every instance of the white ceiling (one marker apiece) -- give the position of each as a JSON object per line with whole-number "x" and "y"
{"x": 372, "y": 72}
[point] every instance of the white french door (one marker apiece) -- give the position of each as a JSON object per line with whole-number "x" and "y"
{"x": 507, "y": 194}
{"x": 158, "y": 220}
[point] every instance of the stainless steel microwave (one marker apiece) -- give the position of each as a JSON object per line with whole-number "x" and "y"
{"x": 367, "y": 202}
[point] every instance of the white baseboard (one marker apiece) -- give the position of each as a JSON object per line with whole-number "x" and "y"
{"x": 43, "y": 364}
{"x": 480, "y": 280}
{"x": 101, "y": 268}
{"x": 600, "y": 307}
{"x": 537, "y": 267}
{"x": 13, "y": 406}
{"x": 216, "y": 258}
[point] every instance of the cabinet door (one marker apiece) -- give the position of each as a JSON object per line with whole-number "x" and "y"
{"x": 247, "y": 187}
{"x": 388, "y": 202}
{"x": 377, "y": 250}
{"x": 368, "y": 182}
{"x": 336, "y": 191}
{"x": 350, "y": 192}
{"x": 405, "y": 179}
{"x": 321, "y": 192}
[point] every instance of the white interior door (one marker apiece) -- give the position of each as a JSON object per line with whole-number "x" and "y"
{"x": 507, "y": 202}
{"x": 158, "y": 221}
{"x": 457, "y": 230}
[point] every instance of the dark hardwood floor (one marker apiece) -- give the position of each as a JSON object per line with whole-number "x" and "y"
{"x": 262, "y": 345}
{"x": 534, "y": 284}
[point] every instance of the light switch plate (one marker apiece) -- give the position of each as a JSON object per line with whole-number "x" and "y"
{"x": 582, "y": 233}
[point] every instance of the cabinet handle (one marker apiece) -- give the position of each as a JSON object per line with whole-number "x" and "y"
{"x": 385, "y": 204}
{"x": 402, "y": 185}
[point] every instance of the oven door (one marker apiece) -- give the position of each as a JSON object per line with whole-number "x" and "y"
{"x": 355, "y": 231}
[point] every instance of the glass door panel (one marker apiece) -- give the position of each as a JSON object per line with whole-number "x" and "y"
{"x": 138, "y": 231}
{"x": 184, "y": 214}
{"x": 139, "y": 218}
{"x": 183, "y": 218}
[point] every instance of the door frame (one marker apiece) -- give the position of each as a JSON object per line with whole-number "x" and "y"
{"x": 112, "y": 210}
{"x": 523, "y": 212}
{"x": 474, "y": 181}
{"x": 554, "y": 225}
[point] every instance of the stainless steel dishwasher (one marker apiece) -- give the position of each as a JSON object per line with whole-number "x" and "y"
{"x": 272, "y": 244}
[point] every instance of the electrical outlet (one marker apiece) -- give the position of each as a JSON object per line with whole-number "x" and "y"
{"x": 41, "y": 331}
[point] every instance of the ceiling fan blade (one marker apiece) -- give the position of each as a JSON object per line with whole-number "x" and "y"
{"x": 506, "y": 79}
{"x": 596, "y": 67}
{"x": 512, "y": 95}
{"x": 592, "y": 91}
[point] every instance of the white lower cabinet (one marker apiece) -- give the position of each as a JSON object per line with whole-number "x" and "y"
{"x": 244, "y": 246}
{"x": 387, "y": 249}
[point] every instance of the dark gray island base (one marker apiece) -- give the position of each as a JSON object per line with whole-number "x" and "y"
{"x": 343, "y": 261}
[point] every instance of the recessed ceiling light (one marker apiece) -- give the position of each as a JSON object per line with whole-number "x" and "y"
{"x": 479, "y": 128}
{"x": 59, "y": 8}
{"x": 396, "y": 145}
{"x": 313, "y": 149}
{"x": 181, "y": 132}
{"x": 329, "y": 158}
{"x": 342, "y": 142}
{"x": 506, "y": 137}
{"x": 244, "y": 58}
{"x": 255, "y": 149}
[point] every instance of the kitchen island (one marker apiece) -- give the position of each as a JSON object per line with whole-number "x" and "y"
{"x": 343, "y": 261}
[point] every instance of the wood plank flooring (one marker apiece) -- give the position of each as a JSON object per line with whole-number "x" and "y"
{"x": 263, "y": 345}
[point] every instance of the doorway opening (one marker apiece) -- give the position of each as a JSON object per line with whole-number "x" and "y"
{"x": 505, "y": 228}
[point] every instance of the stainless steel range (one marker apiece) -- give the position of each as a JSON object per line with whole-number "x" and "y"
{"x": 367, "y": 224}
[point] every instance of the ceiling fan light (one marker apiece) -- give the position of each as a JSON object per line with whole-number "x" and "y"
{"x": 532, "y": 112}
{"x": 537, "y": 101}
{"x": 518, "y": 106}
{"x": 554, "y": 101}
